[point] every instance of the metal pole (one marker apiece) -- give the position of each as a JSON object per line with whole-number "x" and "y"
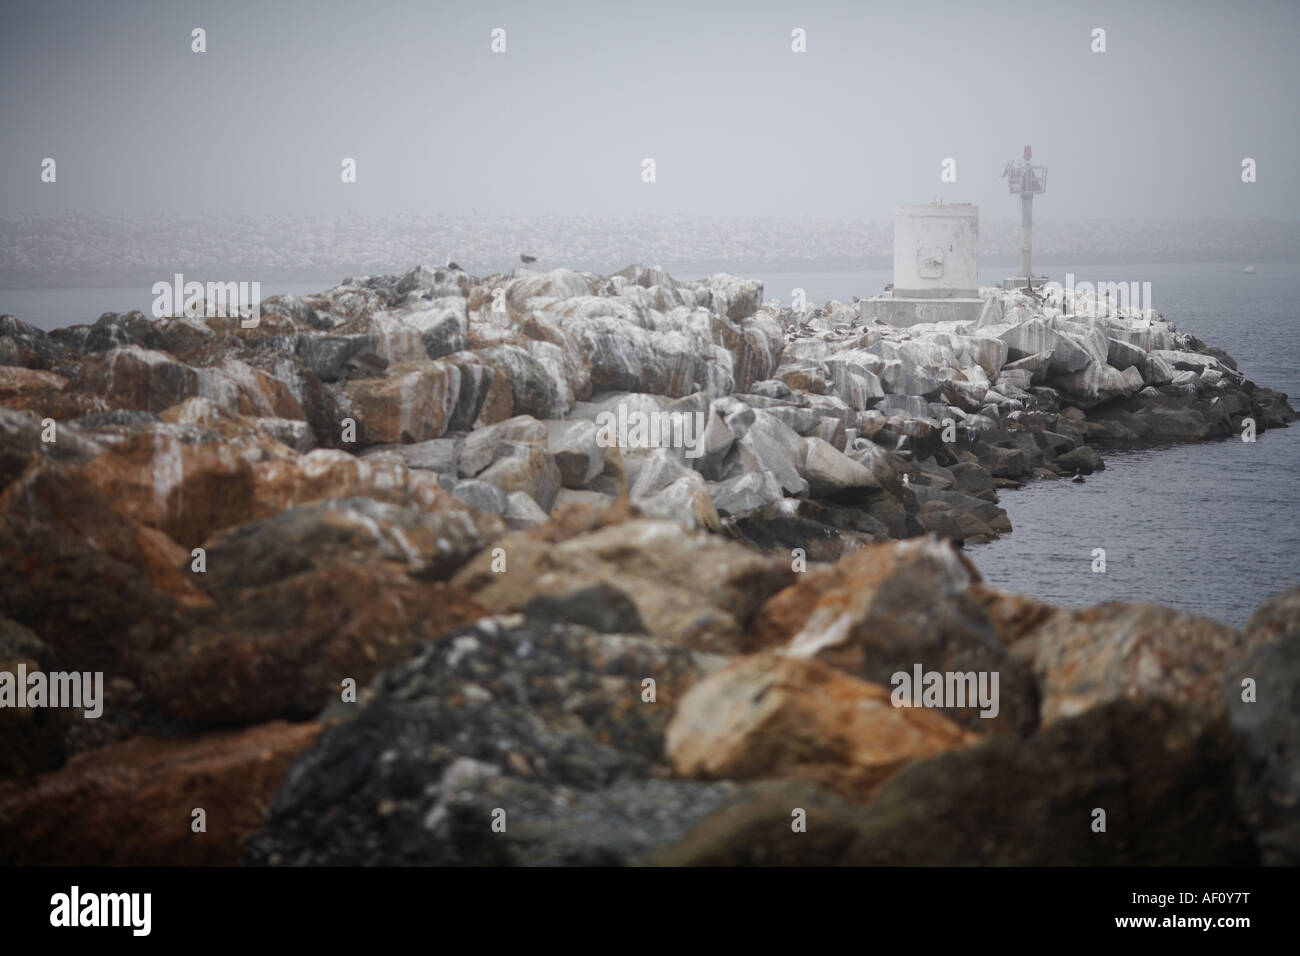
{"x": 1026, "y": 229}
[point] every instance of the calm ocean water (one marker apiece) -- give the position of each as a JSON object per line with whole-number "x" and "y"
{"x": 1207, "y": 528}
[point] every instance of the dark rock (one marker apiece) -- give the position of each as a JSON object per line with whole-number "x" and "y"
{"x": 1267, "y": 728}
{"x": 1162, "y": 775}
{"x": 600, "y": 607}
{"x": 508, "y": 714}
{"x": 1082, "y": 460}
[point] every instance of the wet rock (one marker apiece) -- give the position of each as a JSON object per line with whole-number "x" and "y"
{"x": 481, "y": 495}
{"x": 21, "y": 445}
{"x": 772, "y": 446}
{"x": 1036, "y": 336}
{"x": 1097, "y": 383}
{"x": 436, "y": 455}
{"x": 1122, "y": 355}
{"x": 1082, "y": 460}
{"x": 115, "y": 329}
{"x": 533, "y": 390}
{"x": 600, "y": 607}
{"x": 21, "y": 386}
{"x": 745, "y": 494}
{"x": 186, "y": 489}
{"x": 686, "y": 500}
{"x": 481, "y": 447}
{"x": 285, "y": 649}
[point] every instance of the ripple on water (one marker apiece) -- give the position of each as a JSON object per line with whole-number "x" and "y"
{"x": 1208, "y": 528}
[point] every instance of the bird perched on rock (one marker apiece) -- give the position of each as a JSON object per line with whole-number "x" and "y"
{"x": 454, "y": 267}
{"x": 525, "y": 258}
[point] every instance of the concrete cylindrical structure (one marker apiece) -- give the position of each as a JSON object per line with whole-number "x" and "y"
{"x": 936, "y": 251}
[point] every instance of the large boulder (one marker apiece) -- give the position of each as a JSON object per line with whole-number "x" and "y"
{"x": 887, "y": 608}
{"x": 132, "y": 803}
{"x": 1261, "y": 695}
{"x": 1036, "y": 335}
{"x": 1086, "y": 657}
{"x": 1160, "y": 773}
{"x": 544, "y": 719}
{"x": 769, "y": 715}
{"x": 691, "y": 588}
{"x": 412, "y": 403}
{"x": 832, "y": 474}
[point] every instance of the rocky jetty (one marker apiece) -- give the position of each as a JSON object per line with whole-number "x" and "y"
{"x": 553, "y": 567}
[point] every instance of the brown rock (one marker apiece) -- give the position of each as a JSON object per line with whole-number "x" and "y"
{"x": 412, "y": 403}
{"x": 326, "y": 473}
{"x": 81, "y": 574}
{"x": 131, "y": 803}
{"x": 889, "y": 607}
{"x": 1087, "y": 657}
{"x": 690, "y": 588}
{"x": 1276, "y": 618}
{"x": 1014, "y": 616}
{"x": 244, "y": 390}
{"x": 284, "y": 649}
{"x": 769, "y": 715}
{"x": 134, "y": 377}
{"x": 16, "y": 383}
{"x": 33, "y": 736}
{"x": 185, "y": 489}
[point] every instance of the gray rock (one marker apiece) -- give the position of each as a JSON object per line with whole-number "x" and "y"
{"x": 746, "y": 493}
{"x": 901, "y": 378}
{"x": 437, "y": 454}
{"x": 523, "y": 512}
{"x": 600, "y": 606}
{"x": 655, "y": 472}
{"x": 486, "y": 497}
{"x": 771, "y": 445}
{"x": 482, "y": 447}
{"x": 1267, "y": 729}
{"x": 576, "y": 451}
{"x": 832, "y": 474}
{"x": 532, "y": 388}
{"x": 1037, "y": 365}
{"x": 1123, "y": 355}
{"x": 526, "y": 467}
{"x": 1083, "y": 460}
{"x": 1036, "y": 335}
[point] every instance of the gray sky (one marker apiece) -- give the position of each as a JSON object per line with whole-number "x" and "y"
{"x": 738, "y": 124}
